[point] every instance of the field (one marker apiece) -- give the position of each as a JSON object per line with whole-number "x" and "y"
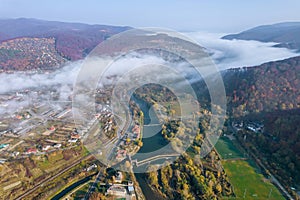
{"x": 19, "y": 176}
{"x": 248, "y": 182}
{"x": 227, "y": 149}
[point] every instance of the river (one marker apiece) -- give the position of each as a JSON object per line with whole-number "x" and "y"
{"x": 152, "y": 140}
{"x": 72, "y": 187}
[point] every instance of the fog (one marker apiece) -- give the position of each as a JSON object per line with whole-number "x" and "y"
{"x": 239, "y": 53}
{"x": 225, "y": 53}
{"x": 19, "y": 80}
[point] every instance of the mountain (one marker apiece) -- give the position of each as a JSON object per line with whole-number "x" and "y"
{"x": 267, "y": 87}
{"x": 269, "y": 93}
{"x": 285, "y": 34}
{"x": 272, "y": 86}
{"x": 64, "y": 41}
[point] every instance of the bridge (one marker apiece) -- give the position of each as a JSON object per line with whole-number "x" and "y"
{"x": 153, "y": 158}
{"x": 153, "y": 125}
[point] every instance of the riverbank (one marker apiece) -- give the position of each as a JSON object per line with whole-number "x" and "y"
{"x": 152, "y": 140}
{"x": 148, "y": 191}
{"x": 71, "y": 187}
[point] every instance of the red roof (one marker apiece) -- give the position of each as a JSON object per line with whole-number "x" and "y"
{"x": 76, "y": 136}
{"x": 31, "y": 150}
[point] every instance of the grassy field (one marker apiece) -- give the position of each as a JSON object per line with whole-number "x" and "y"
{"x": 246, "y": 179}
{"x": 227, "y": 149}
{"x": 248, "y": 182}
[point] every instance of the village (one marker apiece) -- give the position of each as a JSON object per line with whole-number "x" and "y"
{"x": 38, "y": 130}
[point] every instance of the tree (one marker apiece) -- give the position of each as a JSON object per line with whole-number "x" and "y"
{"x": 153, "y": 176}
{"x": 218, "y": 188}
{"x": 140, "y": 143}
{"x": 127, "y": 164}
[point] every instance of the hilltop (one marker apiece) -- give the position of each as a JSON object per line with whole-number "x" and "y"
{"x": 23, "y": 42}
{"x": 285, "y": 34}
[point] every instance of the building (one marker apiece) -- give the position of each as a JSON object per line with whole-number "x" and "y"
{"x": 93, "y": 166}
{"x": 57, "y": 145}
{"x": 2, "y": 146}
{"x": 121, "y": 154}
{"x": 136, "y": 129}
{"x": 119, "y": 177}
{"x": 73, "y": 140}
{"x": 45, "y": 148}
{"x": 31, "y": 151}
{"x": 116, "y": 191}
{"x": 75, "y": 136}
{"x": 131, "y": 188}
{"x": 255, "y": 127}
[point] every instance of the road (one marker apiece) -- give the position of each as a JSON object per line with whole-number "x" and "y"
{"x": 272, "y": 177}
{"x": 93, "y": 186}
{"x": 40, "y": 184}
{"x": 115, "y": 142}
{"x": 125, "y": 128}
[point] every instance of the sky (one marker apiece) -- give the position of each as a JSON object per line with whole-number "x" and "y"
{"x": 182, "y": 15}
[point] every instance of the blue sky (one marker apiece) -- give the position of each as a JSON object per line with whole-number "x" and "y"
{"x": 182, "y": 15}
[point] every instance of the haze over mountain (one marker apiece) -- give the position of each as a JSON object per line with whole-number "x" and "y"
{"x": 270, "y": 90}
{"x": 285, "y": 34}
{"x": 64, "y": 41}
{"x": 31, "y": 44}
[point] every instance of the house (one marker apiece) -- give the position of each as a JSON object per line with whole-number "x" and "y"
{"x": 15, "y": 154}
{"x": 31, "y": 151}
{"x": 27, "y": 115}
{"x": 255, "y": 127}
{"x": 93, "y": 166}
{"x": 75, "y": 136}
{"x": 49, "y": 131}
{"x": 251, "y": 128}
{"x": 57, "y": 145}
{"x": 121, "y": 154}
{"x": 19, "y": 117}
{"x": 73, "y": 140}
{"x": 45, "y": 148}
{"x": 238, "y": 125}
{"x": 136, "y": 129}
{"x": 2, "y": 146}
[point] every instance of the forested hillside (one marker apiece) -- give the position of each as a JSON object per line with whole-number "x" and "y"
{"x": 268, "y": 87}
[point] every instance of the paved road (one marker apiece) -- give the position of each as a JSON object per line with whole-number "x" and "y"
{"x": 272, "y": 177}
{"x": 93, "y": 186}
{"x": 124, "y": 129}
